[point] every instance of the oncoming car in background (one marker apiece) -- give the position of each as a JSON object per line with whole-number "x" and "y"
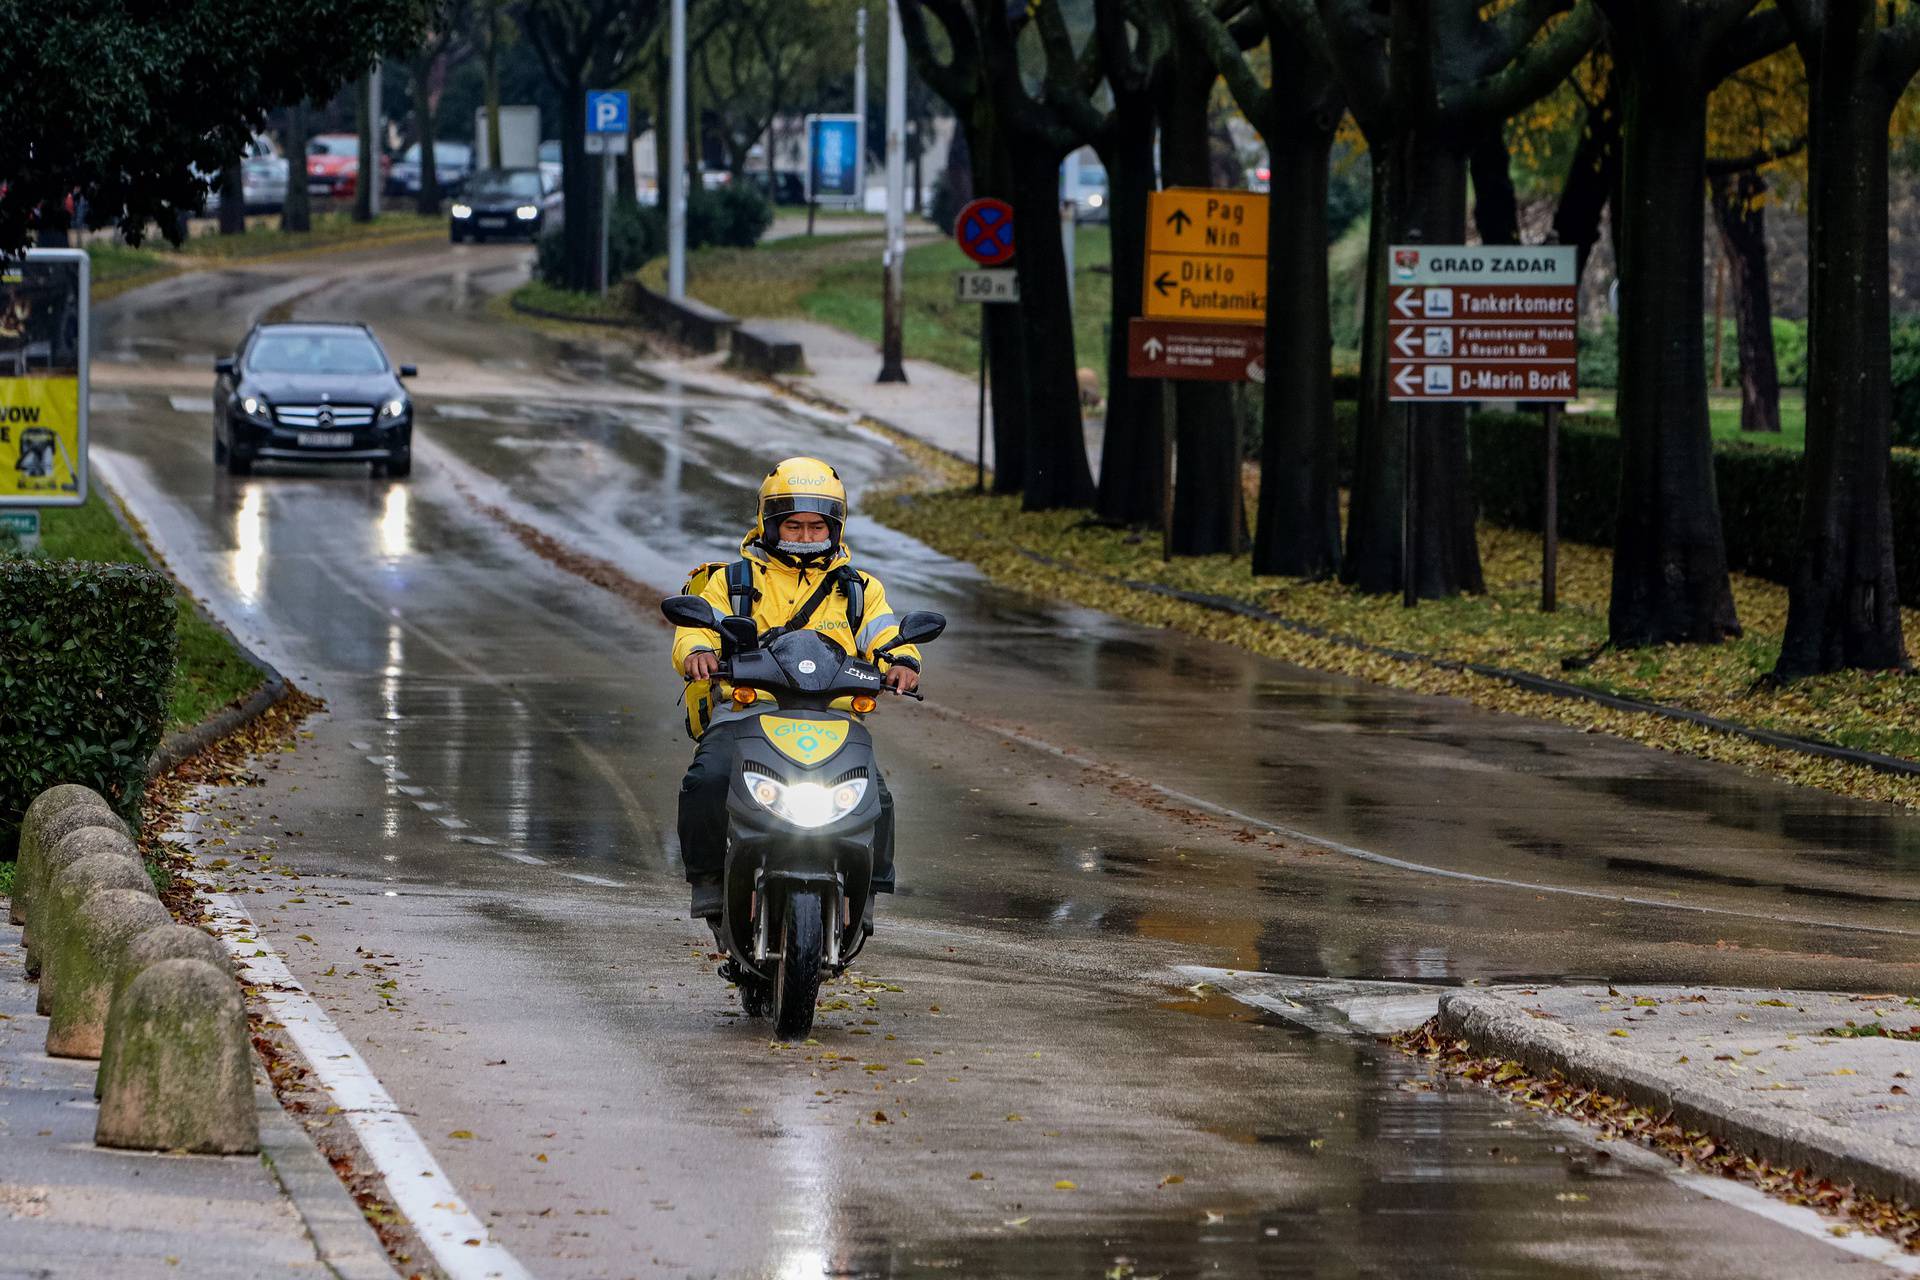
{"x": 311, "y": 392}
{"x": 499, "y": 202}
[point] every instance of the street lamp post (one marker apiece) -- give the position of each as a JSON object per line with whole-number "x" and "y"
{"x": 675, "y": 188}
{"x": 891, "y": 370}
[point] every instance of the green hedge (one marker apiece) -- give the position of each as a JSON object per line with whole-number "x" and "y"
{"x": 86, "y": 666}
{"x": 1759, "y": 488}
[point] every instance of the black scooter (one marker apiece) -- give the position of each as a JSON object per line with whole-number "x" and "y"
{"x": 801, "y": 808}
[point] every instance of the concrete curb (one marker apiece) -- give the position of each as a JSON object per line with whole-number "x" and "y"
{"x": 1494, "y": 1027}
{"x": 1520, "y": 679}
{"x": 343, "y": 1239}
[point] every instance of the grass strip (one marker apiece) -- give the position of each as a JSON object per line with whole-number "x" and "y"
{"x": 1063, "y": 555}
{"x": 210, "y": 673}
{"x": 118, "y": 267}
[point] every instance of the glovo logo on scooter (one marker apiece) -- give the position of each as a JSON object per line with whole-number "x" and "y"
{"x": 807, "y": 741}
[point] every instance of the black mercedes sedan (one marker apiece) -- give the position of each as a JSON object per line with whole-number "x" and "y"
{"x": 499, "y": 202}
{"x": 311, "y": 393}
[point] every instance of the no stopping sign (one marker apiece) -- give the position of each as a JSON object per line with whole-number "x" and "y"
{"x": 985, "y": 231}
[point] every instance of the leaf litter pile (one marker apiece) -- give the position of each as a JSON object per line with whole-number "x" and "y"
{"x": 1091, "y": 565}
{"x": 1618, "y": 1119}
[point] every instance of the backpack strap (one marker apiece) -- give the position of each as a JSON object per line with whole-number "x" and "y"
{"x": 855, "y": 588}
{"x": 740, "y": 587}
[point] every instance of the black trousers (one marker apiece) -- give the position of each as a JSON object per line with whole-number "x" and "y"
{"x": 703, "y": 810}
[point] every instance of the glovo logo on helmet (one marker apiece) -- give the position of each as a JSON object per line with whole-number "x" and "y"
{"x": 803, "y": 484}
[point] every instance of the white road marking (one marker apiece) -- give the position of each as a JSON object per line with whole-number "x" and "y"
{"x": 525, "y": 858}
{"x": 451, "y": 824}
{"x": 420, "y": 1188}
{"x": 191, "y": 404}
{"x": 460, "y": 411}
{"x": 584, "y": 878}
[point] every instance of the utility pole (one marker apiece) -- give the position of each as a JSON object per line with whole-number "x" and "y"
{"x": 860, "y": 103}
{"x": 373, "y": 116}
{"x": 891, "y": 369}
{"x": 676, "y": 190}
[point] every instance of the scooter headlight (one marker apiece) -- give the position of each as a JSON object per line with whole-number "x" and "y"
{"x": 806, "y": 804}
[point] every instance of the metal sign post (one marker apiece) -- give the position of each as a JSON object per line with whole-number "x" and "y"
{"x": 1477, "y": 323}
{"x": 45, "y": 346}
{"x": 607, "y": 124}
{"x": 984, "y": 230}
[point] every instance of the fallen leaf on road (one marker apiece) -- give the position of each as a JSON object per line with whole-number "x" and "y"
{"x": 1572, "y": 1196}
{"x": 1015, "y": 1222}
{"x": 1618, "y": 1032}
{"x": 462, "y": 1134}
{"x": 1064, "y": 1185}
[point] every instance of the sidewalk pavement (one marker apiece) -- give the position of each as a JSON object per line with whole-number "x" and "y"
{"x": 1751, "y": 1067}
{"x": 71, "y": 1209}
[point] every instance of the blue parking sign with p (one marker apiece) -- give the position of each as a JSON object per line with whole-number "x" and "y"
{"x": 606, "y": 111}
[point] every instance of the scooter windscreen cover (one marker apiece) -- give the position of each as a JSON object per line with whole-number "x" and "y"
{"x": 806, "y": 740}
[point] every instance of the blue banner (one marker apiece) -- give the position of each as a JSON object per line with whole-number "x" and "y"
{"x": 833, "y": 157}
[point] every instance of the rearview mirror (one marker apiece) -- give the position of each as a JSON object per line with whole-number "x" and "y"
{"x": 740, "y": 632}
{"x": 917, "y": 627}
{"x": 690, "y": 611}
{"x": 223, "y": 366}
{"x": 409, "y": 370}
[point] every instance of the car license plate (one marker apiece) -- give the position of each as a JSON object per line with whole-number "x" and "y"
{"x": 325, "y": 439}
{"x": 493, "y": 222}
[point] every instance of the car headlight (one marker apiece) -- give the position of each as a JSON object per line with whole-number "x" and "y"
{"x": 806, "y": 804}
{"x": 461, "y": 211}
{"x": 1095, "y": 201}
{"x": 257, "y": 407}
{"x": 527, "y": 212}
{"x": 395, "y": 408}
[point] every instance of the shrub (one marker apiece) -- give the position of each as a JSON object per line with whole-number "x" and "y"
{"x": 86, "y": 667}
{"x": 635, "y": 237}
{"x": 1600, "y": 355}
{"x": 733, "y": 216}
{"x": 1906, "y": 381}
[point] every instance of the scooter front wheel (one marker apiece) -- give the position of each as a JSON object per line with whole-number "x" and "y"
{"x": 796, "y": 983}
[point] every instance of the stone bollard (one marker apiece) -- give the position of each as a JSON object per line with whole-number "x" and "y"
{"x": 75, "y": 847}
{"x": 84, "y": 961}
{"x": 181, "y": 1078}
{"x": 41, "y": 834}
{"x": 167, "y": 942}
{"x": 60, "y": 899}
{"x": 66, "y": 795}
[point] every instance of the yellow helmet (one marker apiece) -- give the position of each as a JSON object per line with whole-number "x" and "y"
{"x": 802, "y": 484}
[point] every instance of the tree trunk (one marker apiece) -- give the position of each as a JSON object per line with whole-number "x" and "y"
{"x": 581, "y": 179}
{"x": 1743, "y": 233}
{"x": 233, "y": 199}
{"x": 1298, "y": 530}
{"x": 296, "y": 214}
{"x": 1372, "y": 562}
{"x": 1132, "y": 465}
{"x": 1433, "y": 204}
{"x": 1209, "y": 512}
{"x": 490, "y": 86}
{"x": 1591, "y": 179}
{"x": 369, "y": 159}
{"x": 1844, "y": 603}
{"x": 1670, "y": 559}
{"x": 1496, "y": 211}
{"x": 423, "y": 128}
{"x": 1057, "y": 474}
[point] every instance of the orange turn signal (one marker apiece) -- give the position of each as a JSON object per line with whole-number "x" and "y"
{"x": 743, "y": 696}
{"x": 863, "y": 703}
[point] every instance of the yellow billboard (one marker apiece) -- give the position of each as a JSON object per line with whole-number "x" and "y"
{"x": 43, "y": 379}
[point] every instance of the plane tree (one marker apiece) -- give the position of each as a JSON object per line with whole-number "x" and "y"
{"x": 169, "y": 94}
{"x": 1296, "y": 110}
{"x": 1843, "y": 601}
{"x": 1424, "y": 81}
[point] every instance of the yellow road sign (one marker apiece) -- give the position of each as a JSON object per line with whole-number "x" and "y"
{"x": 1205, "y": 220}
{"x": 1183, "y": 286}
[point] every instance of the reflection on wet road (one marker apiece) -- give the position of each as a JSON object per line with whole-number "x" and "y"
{"x": 500, "y": 757}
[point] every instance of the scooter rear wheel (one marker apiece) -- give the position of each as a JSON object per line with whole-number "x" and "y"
{"x": 796, "y": 984}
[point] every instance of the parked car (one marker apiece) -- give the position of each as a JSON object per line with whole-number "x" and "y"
{"x": 1090, "y": 201}
{"x": 499, "y": 202}
{"x": 263, "y": 185}
{"x": 452, "y": 166}
{"x": 311, "y": 392}
{"x": 333, "y": 165}
{"x": 783, "y": 187}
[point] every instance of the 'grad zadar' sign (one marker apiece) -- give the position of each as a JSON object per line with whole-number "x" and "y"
{"x": 1472, "y": 322}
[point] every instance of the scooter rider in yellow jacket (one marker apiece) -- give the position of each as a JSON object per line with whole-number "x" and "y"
{"x": 796, "y": 543}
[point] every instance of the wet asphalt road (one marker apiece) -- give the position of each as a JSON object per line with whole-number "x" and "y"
{"x": 486, "y": 813}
